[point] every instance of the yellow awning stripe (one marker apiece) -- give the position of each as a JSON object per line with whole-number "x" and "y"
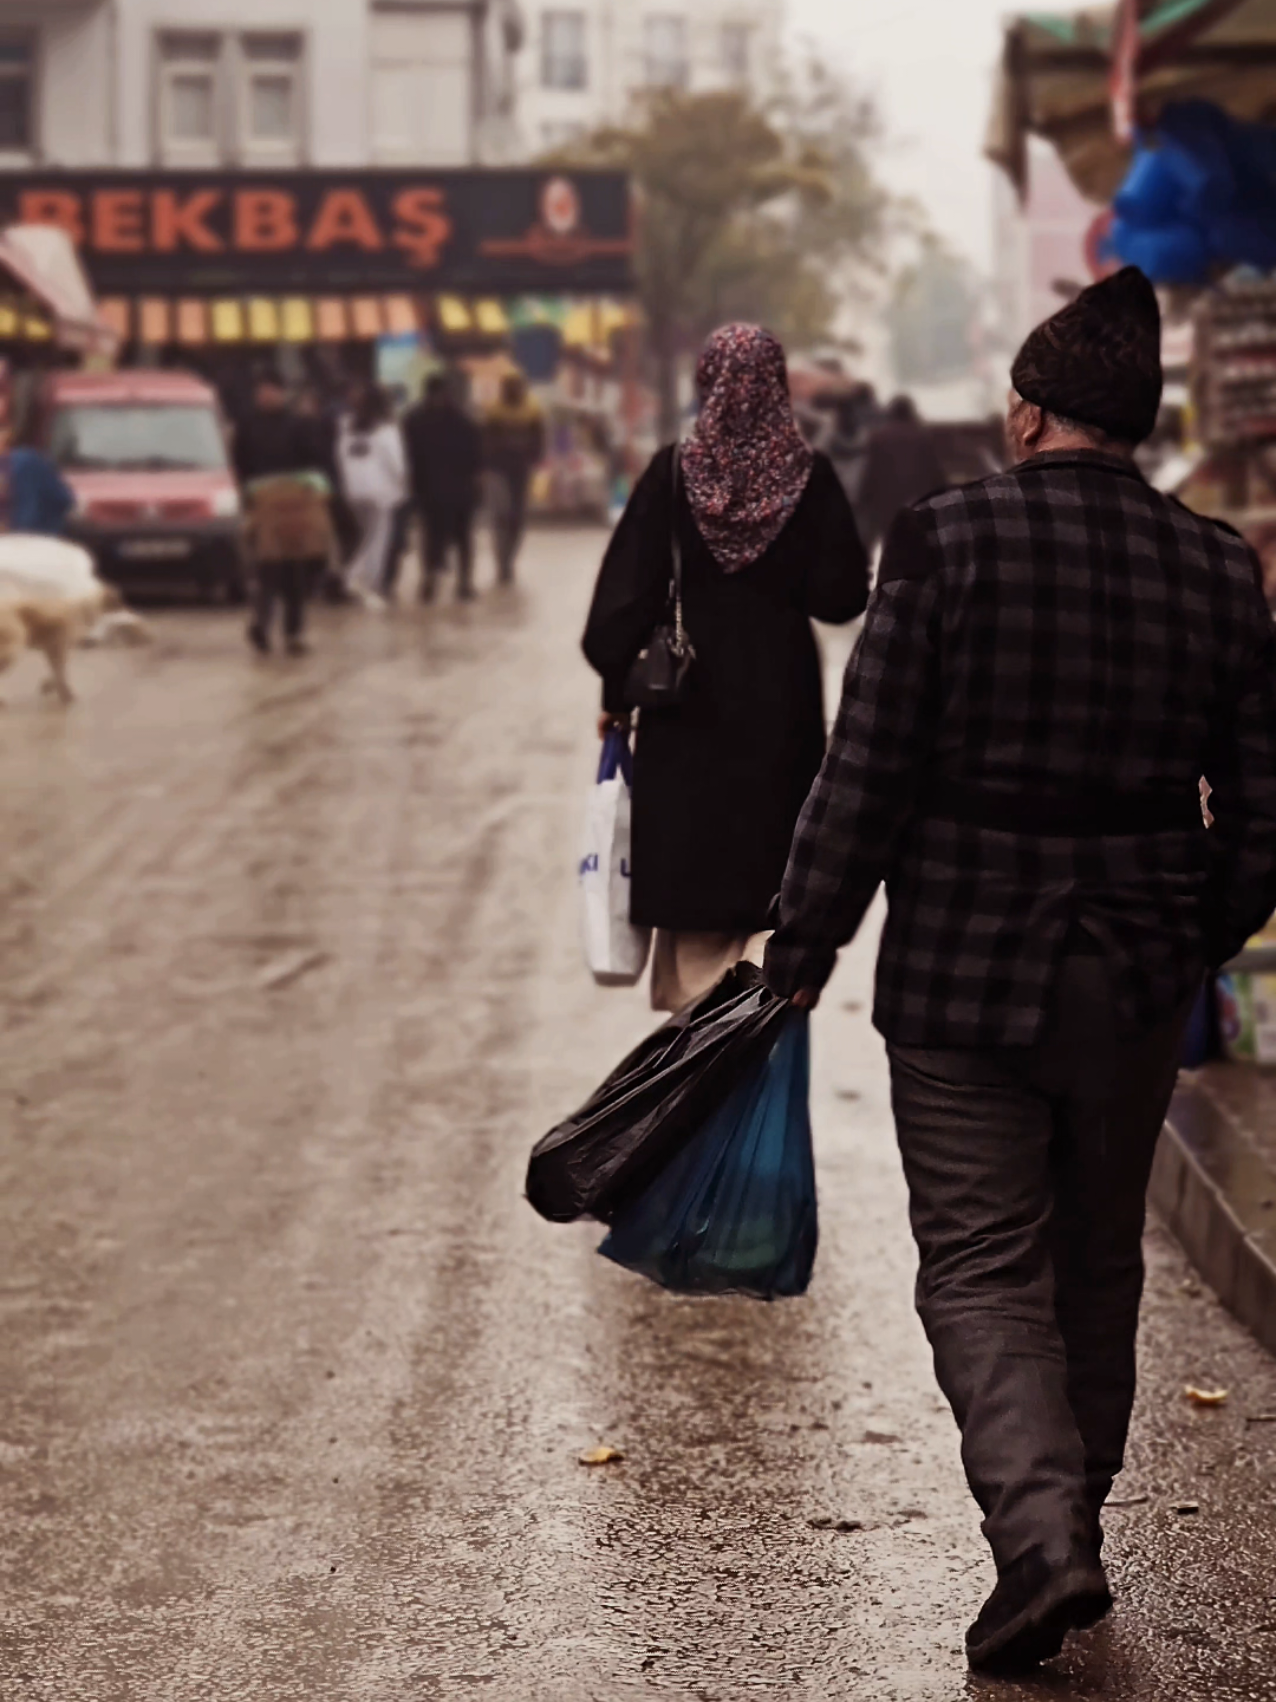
{"x": 156, "y": 321}
{"x": 264, "y": 321}
{"x": 298, "y": 321}
{"x": 454, "y": 315}
{"x": 491, "y": 319}
{"x": 228, "y": 322}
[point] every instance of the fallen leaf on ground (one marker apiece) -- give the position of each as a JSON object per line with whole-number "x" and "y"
{"x": 1206, "y": 1397}
{"x": 602, "y": 1456}
{"x": 1128, "y": 1501}
{"x": 285, "y": 970}
{"x": 880, "y": 1438}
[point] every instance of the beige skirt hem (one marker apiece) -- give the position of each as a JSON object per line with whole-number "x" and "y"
{"x": 685, "y": 965}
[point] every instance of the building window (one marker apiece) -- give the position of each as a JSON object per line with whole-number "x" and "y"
{"x": 270, "y": 100}
{"x": 735, "y": 52}
{"x": 17, "y": 97}
{"x": 423, "y": 82}
{"x": 563, "y": 62}
{"x": 668, "y": 64}
{"x": 230, "y": 99}
{"x": 189, "y": 106}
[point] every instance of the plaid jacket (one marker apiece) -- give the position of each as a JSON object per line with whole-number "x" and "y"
{"x": 1064, "y": 639}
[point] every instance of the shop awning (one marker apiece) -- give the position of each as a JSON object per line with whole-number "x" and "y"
{"x": 195, "y": 322}
{"x": 51, "y": 299}
{"x": 1056, "y": 79}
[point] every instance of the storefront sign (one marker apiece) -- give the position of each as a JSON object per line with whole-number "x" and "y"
{"x": 479, "y": 232}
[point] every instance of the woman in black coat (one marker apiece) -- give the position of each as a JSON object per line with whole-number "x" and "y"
{"x": 768, "y": 541}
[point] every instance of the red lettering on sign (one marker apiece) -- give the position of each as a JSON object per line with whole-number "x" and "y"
{"x": 52, "y": 207}
{"x": 178, "y": 220}
{"x": 117, "y": 221}
{"x": 424, "y": 228}
{"x": 344, "y": 216}
{"x": 265, "y": 221}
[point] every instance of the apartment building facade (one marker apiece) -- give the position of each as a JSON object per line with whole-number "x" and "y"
{"x": 586, "y": 60}
{"x": 274, "y": 171}
{"x": 270, "y": 84}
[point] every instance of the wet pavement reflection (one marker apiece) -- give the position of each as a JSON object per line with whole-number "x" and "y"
{"x": 295, "y": 1385}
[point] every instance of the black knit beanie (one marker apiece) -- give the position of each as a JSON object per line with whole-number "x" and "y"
{"x": 1098, "y": 360}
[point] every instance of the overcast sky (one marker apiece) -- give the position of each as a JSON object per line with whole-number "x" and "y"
{"x": 930, "y": 64}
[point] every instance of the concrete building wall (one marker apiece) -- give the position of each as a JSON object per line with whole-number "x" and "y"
{"x": 429, "y": 84}
{"x": 619, "y": 39}
{"x": 334, "y": 37}
{"x": 70, "y": 43}
{"x": 1039, "y": 243}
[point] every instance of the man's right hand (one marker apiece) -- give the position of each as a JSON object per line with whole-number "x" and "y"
{"x": 613, "y": 723}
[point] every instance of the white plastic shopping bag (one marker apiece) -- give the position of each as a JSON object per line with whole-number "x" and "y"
{"x": 615, "y": 951}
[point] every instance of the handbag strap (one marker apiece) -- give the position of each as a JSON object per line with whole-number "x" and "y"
{"x": 675, "y": 544}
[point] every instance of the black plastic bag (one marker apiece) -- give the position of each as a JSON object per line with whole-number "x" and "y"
{"x": 735, "y": 1211}
{"x": 607, "y": 1154}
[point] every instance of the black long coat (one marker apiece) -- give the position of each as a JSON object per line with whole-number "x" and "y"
{"x": 720, "y": 779}
{"x": 445, "y": 454}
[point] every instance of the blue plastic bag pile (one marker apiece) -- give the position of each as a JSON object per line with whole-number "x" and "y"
{"x": 696, "y": 1150}
{"x": 1200, "y": 193}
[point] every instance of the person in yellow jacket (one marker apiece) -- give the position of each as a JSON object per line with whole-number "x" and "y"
{"x": 513, "y": 444}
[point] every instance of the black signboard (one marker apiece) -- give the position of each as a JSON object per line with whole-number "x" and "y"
{"x": 475, "y": 232}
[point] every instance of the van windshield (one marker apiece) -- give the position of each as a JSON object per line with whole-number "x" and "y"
{"x": 142, "y": 437}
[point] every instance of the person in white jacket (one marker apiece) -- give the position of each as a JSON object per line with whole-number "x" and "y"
{"x": 373, "y": 471}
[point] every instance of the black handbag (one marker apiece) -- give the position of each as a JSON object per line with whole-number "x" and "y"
{"x": 661, "y": 672}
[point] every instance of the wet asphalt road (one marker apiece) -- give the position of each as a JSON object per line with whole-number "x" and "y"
{"x": 293, "y": 1384}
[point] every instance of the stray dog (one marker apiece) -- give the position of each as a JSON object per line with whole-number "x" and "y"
{"x": 52, "y": 625}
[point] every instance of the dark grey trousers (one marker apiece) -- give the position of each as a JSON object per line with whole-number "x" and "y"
{"x": 1027, "y": 1172}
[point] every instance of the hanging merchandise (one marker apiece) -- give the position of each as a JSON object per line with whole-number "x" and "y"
{"x": 615, "y": 951}
{"x": 1200, "y": 194}
{"x": 1234, "y": 370}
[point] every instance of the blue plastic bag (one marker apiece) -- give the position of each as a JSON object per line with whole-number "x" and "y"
{"x": 734, "y": 1211}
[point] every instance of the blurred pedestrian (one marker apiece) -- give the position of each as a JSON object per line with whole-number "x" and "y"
{"x": 513, "y": 446}
{"x": 374, "y": 478}
{"x": 38, "y": 499}
{"x": 1053, "y": 658}
{"x": 768, "y": 542}
{"x": 320, "y": 417}
{"x": 286, "y": 491}
{"x": 444, "y": 457}
{"x": 399, "y": 535}
{"x": 901, "y": 465}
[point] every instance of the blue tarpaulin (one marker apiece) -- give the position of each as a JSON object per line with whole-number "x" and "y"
{"x": 1200, "y": 195}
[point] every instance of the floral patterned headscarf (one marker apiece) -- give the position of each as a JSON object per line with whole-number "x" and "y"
{"x": 746, "y": 465}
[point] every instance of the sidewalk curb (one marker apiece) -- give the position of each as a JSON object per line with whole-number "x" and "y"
{"x": 1217, "y": 1196}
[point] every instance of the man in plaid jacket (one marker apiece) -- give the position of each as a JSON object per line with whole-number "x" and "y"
{"x": 1052, "y": 659}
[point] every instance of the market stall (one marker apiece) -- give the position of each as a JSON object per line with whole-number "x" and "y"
{"x": 1159, "y": 111}
{"x": 46, "y": 303}
{"x": 315, "y": 269}
{"x": 1085, "y": 80}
